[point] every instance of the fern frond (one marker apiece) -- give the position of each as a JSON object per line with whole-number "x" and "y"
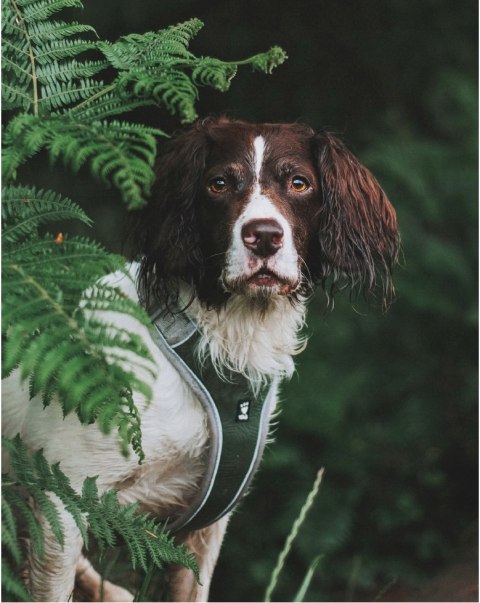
{"x": 62, "y": 49}
{"x": 9, "y": 532}
{"x": 53, "y": 329}
{"x": 69, "y": 70}
{"x": 39, "y": 10}
{"x": 107, "y": 520}
{"x": 24, "y": 209}
{"x": 11, "y": 583}
{"x": 171, "y": 88}
{"x": 214, "y": 73}
{"x": 56, "y": 94}
{"x": 152, "y": 48}
{"x": 57, "y": 30}
{"x": 108, "y": 103}
{"x": 267, "y": 61}
{"x": 35, "y": 51}
{"x": 120, "y": 153}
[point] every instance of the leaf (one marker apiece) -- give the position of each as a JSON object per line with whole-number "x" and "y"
{"x": 107, "y": 519}
{"x": 302, "y": 591}
{"x": 24, "y": 209}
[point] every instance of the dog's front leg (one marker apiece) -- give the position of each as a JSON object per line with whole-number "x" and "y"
{"x": 51, "y": 576}
{"x": 205, "y": 544}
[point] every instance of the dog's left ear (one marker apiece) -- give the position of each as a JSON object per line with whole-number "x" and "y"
{"x": 358, "y": 236}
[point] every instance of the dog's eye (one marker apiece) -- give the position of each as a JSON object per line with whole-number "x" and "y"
{"x": 299, "y": 184}
{"x": 217, "y": 185}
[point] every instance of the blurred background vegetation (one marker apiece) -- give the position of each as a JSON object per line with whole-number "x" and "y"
{"x": 386, "y": 403}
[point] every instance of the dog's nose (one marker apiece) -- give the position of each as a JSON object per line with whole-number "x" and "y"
{"x": 263, "y": 237}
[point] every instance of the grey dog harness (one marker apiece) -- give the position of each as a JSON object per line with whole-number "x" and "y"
{"x": 237, "y": 421}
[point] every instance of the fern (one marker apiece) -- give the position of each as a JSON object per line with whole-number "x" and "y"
{"x": 49, "y": 309}
{"x": 44, "y": 76}
{"x": 99, "y": 515}
{"x": 24, "y": 209}
{"x": 54, "y": 299}
{"x": 118, "y": 153}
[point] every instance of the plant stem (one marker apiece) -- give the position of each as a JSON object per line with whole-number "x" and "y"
{"x": 21, "y": 23}
{"x": 291, "y": 537}
{"x": 98, "y": 94}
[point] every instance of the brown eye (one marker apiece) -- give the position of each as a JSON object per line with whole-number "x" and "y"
{"x": 217, "y": 185}
{"x": 299, "y": 184}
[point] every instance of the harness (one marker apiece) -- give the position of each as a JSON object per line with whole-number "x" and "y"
{"x": 237, "y": 420}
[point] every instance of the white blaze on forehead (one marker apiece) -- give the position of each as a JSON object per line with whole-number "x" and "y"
{"x": 260, "y": 206}
{"x": 258, "y": 153}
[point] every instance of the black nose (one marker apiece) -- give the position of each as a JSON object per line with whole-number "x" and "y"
{"x": 263, "y": 237}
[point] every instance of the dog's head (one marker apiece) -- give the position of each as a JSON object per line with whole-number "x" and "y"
{"x": 263, "y": 210}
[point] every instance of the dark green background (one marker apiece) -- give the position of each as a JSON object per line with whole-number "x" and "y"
{"x": 386, "y": 403}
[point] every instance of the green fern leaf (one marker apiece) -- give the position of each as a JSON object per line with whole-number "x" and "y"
{"x": 117, "y": 152}
{"x": 48, "y": 312}
{"x": 37, "y": 69}
{"x": 152, "y": 48}
{"x": 214, "y": 73}
{"x": 69, "y": 70}
{"x": 18, "y": 502}
{"x": 172, "y": 88}
{"x": 56, "y": 94}
{"x": 62, "y": 49}
{"x": 24, "y": 209}
{"x": 12, "y": 584}
{"x": 268, "y": 61}
{"x": 39, "y": 10}
{"x": 107, "y": 519}
{"x": 9, "y": 531}
{"x": 56, "y": 30}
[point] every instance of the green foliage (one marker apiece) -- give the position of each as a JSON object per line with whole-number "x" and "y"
{"x": 50, "y": 316}
{"x": 55, "y": 302}
{"x": 68, "y": 108}
{"x": 119, "y": 153}
{"x": 100, "y": 516}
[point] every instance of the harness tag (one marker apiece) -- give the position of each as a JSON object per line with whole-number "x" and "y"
{"x": 243, "y": 410}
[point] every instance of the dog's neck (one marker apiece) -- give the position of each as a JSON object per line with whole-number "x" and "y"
{"x": 252, "y": 339}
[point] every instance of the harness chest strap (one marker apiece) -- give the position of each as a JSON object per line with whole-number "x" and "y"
{"x": 237, "y": 422}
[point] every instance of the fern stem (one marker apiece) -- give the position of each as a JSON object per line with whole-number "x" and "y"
{"x": 21, "y": 22}
{"x": 291, "y": 537}
{"x": 94, "y": 97}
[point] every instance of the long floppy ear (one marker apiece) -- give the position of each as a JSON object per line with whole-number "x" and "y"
{"x": 358, "y": 237}
{"x": 166, "y": 233}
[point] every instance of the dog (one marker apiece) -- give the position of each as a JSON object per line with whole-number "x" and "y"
{"x": 244, "y": 222}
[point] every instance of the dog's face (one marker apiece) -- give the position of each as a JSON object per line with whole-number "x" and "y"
{"x": 263, "y": 189}
{"x": 262, "y": 211}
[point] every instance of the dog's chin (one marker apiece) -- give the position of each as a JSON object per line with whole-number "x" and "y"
{"x": 264, "y": 285}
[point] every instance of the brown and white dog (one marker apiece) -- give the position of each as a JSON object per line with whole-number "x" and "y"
{"x": 245, "y": 220}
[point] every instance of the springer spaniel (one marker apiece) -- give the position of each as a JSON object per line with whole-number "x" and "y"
{"x": 244, "y": 221}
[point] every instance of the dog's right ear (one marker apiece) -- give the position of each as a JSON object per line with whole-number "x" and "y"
{"x": 359, "y": 239}
{"x": 166, "y": 234}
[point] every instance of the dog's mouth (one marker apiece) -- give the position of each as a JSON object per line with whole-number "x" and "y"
{"x": 264, "y": 283}
{"x": 265, "y": 278}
